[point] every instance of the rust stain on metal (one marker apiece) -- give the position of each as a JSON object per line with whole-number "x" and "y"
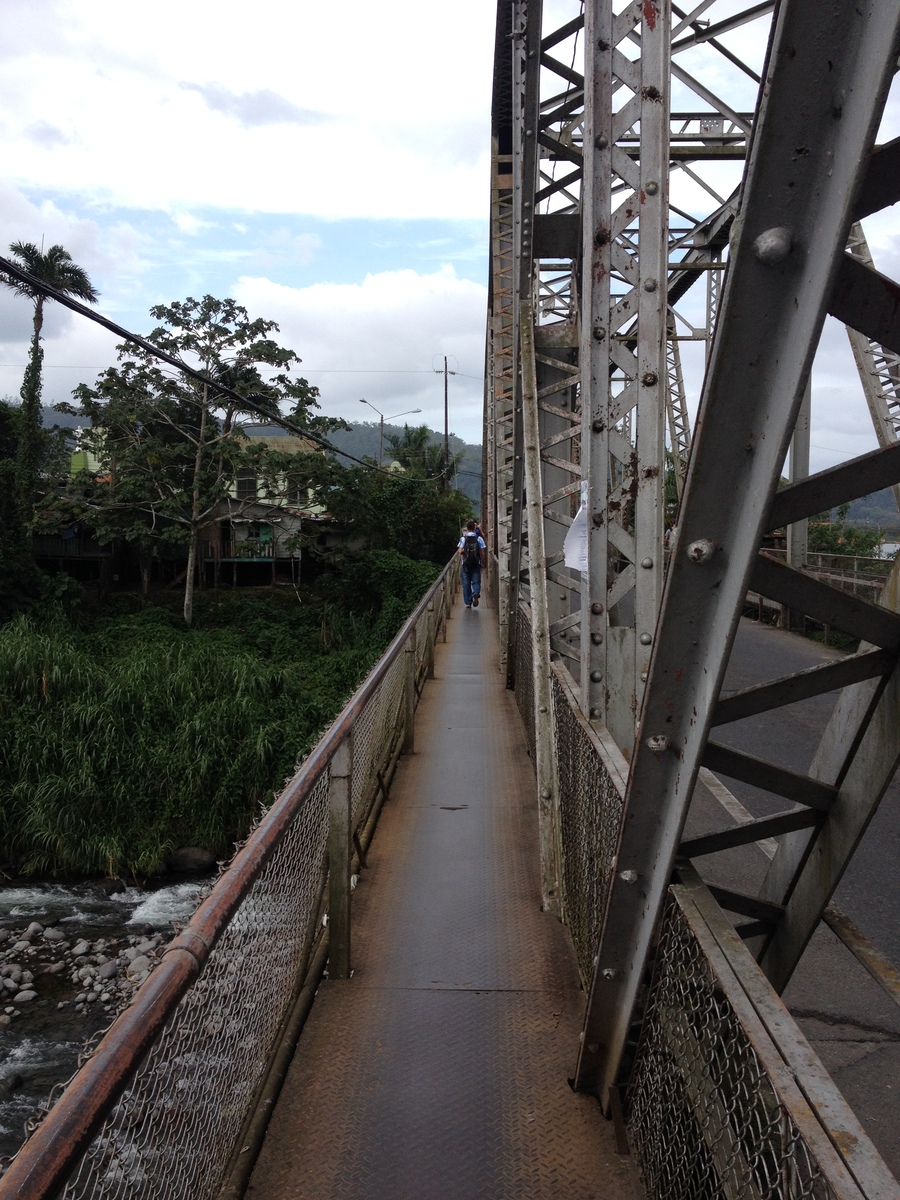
{"x": 650, "y": 14}
{"x": 651, "y": 93}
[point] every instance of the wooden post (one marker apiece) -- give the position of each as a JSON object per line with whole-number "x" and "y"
{"x": 340, "y": 852}
{"x": 410, "y": 693}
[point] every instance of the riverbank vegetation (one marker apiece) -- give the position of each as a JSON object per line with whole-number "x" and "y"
{"x": 125, "y": 733}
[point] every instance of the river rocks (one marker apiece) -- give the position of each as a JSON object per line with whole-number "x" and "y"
{"x": 138, "y": 968}
{"x": 101, "y": 974}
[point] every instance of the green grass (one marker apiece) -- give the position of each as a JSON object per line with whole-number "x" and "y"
{"x": 128, "y": 734}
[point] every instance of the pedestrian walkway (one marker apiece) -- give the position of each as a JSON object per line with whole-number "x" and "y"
{"x": 439, "y": 1070}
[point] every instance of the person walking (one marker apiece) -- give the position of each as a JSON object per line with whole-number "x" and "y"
{"x": 472, "y": 552}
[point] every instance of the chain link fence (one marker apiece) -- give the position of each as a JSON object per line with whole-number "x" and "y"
{"x": 591, "y": 791}
{"x": 161, "y": 1106}
{"x": 524, "y": 683}
{"x": 716, "y": 1105}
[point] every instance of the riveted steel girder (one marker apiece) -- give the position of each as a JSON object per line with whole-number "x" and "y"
{"x": 826, "y": 79}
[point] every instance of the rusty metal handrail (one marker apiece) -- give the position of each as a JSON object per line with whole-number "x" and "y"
{"x": 40, "y": 1167}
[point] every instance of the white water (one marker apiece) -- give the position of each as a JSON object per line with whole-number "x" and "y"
{"x": 86, "y": 905}
{"x": 37, "y": 1049}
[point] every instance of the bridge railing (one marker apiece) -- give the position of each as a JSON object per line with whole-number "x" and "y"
{"x": 164, "y": 1105}
{"x": 725, "y": 1097}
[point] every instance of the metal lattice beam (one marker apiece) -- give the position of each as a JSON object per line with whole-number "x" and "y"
{"x": 787, "y": 268}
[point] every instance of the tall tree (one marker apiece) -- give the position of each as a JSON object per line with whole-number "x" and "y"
{"x": 170, "y": 448}
{"x": 57, "y": 269}
{"x": 423, "y": 456}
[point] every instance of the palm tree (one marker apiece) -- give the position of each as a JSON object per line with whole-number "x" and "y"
{"x": 57, "y": 269}
{"x": 416, "y": 450}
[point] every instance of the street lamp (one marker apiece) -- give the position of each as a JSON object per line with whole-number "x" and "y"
{"x": 382, "y": 418}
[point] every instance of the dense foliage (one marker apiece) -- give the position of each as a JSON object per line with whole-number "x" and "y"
{"x": 129, "y": 734}
{"x": 833, "y": 534}
{"x": 169, "y": 448}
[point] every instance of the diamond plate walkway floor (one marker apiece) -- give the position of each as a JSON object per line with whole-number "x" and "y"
{"x": 440, "y": 1069}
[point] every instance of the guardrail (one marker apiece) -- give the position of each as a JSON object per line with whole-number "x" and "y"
{"x": 726, "y": 1098}
{"x": 165, "y": 1106}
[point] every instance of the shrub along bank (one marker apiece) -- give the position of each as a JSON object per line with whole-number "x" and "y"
{"x": 125, "y": 735}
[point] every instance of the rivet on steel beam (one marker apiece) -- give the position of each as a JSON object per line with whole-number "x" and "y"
{"x": 529, "y": 132}
{"x": 701, "y": 551}
{"x": 643, "y": 676}
{"x": 609, "y": 972}
{"x": 650, "y": 285}
{"x": 598, "y": 426}
{"x": 657, "y": 743}
{"x": 599, "y": 333}
{"x": 597, "y": 610}
{"x": 646, "y": 639}
{"x": 628, "y": 876}
{"x": 652, "y": 188}
{"x": 597, "y": 639}
{"x": 649, "y": 378}
{"x": 596, "y": 676}
{"x": 543, "y": 708}
{"x": 546, "y": 793}
{"x": 595, "y": 714}
{"x": 601, "y": 141}
{"x": 647, "y": 562}
{"x": 773, "y": 246}
{"x": 597, "y": 519}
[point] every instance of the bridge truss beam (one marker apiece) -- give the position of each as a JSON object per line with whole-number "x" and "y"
{"x": 788, "y": 267}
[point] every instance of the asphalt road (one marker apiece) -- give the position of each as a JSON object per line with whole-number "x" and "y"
{"x": 789, "y": 737}
{"x": 852, "y": 1024}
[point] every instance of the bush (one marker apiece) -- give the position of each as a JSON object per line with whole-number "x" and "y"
{"x": 131, "y": 735}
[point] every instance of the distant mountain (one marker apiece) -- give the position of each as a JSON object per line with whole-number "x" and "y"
{"x": 362, "y": 441}
{"x": 878, "y": 511}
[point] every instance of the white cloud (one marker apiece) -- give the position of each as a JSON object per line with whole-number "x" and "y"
{"x": 383, "y": 339}
{"x": 367, "y": 117}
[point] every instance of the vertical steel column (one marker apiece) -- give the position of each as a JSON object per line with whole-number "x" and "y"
{"x": 525, "y": 73}
{"x": 500, "y": 400}
{"x": 544, "y": 729}
{"x": 798, "y": 532}
{"x": 623, "y": 338}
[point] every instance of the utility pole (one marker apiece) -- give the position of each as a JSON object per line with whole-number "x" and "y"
{"x": 446, "y": 432}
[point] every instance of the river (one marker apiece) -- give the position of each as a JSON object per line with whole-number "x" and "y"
{"x": 39, "y": 1047}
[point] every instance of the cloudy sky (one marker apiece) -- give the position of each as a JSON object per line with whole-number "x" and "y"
{"x": 328, "y": 167}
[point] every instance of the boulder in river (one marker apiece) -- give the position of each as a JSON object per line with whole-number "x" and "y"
{"x": 191, "y": 860}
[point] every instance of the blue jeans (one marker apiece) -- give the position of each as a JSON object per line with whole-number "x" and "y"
{"x": 471, "y": 582}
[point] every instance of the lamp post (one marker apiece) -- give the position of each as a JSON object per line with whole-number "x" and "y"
{"x": 382, "y": 418}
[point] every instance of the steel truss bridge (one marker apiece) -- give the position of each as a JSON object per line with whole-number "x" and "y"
{"x": 679, "y": 198}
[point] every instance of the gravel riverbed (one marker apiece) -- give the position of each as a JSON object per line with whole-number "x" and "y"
{"x": 71, "y": 958}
